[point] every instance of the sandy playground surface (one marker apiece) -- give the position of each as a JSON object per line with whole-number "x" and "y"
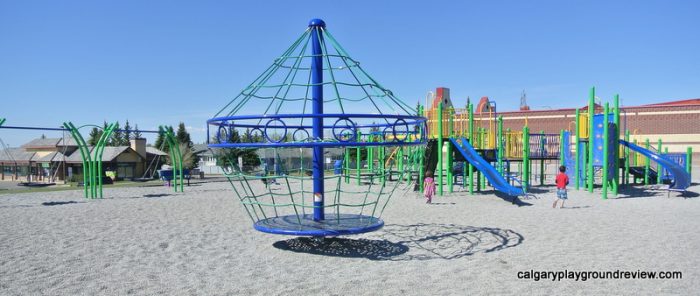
{"x": 149, "y": 240}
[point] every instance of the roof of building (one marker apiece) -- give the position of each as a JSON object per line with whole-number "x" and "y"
{"x": 108, "y": 154}
{"x": 677, "y": 103}
{"x": 16, "y": 155}
{"x": 201, "y": 150}
{"x": 53, "y": 156}
{"x": 49, "y": 143}
{"x": 155, "y": 151}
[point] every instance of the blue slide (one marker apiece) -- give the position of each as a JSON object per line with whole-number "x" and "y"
{"x": 496, "y": 180}
{"x": 681, "y": 178}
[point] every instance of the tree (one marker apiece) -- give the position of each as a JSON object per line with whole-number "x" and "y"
{"x": 137, "y": 133}
{"x": 182, "y": 135}
{"x": 127, "y": 133}
{"x": 43, "y": 136}
{"x": 95, "y": 135}
{"x": 229, "y": 157}
{"x": 117, "y": 137}
{"x": 160, "y": 141}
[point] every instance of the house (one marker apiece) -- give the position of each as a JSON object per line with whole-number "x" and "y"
{"x": 56, "y": 159}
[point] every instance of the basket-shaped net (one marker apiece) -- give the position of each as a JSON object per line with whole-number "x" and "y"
{"x": 311, "y": 124}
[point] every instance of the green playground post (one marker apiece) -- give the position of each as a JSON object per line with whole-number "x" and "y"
{"x": 561, "y": 148}
{"x": 358, "y": 158}
{"x": 450, "y": 130}
{"x": 499, "y": 143}
{"x": 421, "y": 151}
{"x": 471, "y": 141}
{"x": 688, "y": 161}
{"x": 578, "y": 152}
{"x": 591, "y": 128}
{"x": 616, "y": 134}
{"x": 647, "y": 164}
{"x": 605, "y": 151}
{"x": 541, "y": 157}
{"x": 658, "y": 166}
{"x": 2, "y": 120}
{"x": 346, "y": 165}
{"x": 526, "y": 158}
{"x": 626, "y": 179}
{"x": 439, "y": 152}
{"x": 84, "y": 155}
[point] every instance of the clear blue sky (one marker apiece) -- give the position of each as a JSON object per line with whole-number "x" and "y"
{"x": 161, "y": 62}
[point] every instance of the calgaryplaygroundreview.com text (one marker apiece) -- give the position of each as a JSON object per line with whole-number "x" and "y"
{"x": 598, "y": 275}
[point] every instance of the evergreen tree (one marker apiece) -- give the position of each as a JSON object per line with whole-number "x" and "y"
{"x": 108, "y": 142}
{"x": 160, "y": 142}
{"x": 117, "y": 136}
{"x": 182, "y": 135}
{"x": 229, "y": 157}
{"x": 95, "y": 135}
{"x": 43, "y": 136}
{"x": 127, "y": 133}
{"x": 137, "y": 133}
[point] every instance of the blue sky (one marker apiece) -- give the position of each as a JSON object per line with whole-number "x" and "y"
{"x": 162, "y": 62}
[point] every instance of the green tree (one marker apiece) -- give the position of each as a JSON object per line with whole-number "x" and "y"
{"x": 127, "y": 133}
{"x": 160, "y": 141}
{"x": 117, "y": 136}
{"x": 229, "y": 157}
{"x": 95, "y": 135}
{"x": 182, "y": 135}
{"x": 137, "y": 133}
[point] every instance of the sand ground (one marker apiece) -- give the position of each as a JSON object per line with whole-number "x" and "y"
{"x": 150, "y": 240}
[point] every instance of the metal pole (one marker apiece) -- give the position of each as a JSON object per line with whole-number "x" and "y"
{"x": 689, "y": 161}
{"x": 605, "y": 151}
{"x": 450, "y": 130}
{"x": 439, "y": 152}
{"x": 471, "y": 141}
{"x": 317, "y": 100}
{"x": 659, "y": 169}
{"x": 616, "y": 134}
{"x": 526, "y": 158}
{"x": 591, "y": 127}
{"x": 647, "y": 164}
{"x": 577, "y": 164}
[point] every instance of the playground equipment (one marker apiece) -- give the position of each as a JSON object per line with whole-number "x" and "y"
{"x": 600, "y": 151}
{"x": 327, "y": 118}
{"x": 92, "y": 156}
{"x": 479, "y": 144}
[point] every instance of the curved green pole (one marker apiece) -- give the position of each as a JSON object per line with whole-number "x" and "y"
{"x": 606, "y": 155}
{"x": 616, "y": 134}
{"x": 176, "y": 155}
{"x": 499, "y": 143}
{"x": 98, "y": 154}
{"x": 421, "y": 151}
{"x": 2, "y": 120}
{"x": 439, "y": 152}
{"x": 577, "y": 164}
{"x": 591, "y": 127}
{"x": 84, "y": 153}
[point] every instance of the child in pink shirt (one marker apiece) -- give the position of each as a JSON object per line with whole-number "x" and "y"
{"x": 429, "y": 187}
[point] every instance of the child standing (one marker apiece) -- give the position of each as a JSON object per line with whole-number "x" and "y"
{"x": 562, "y": 180}
{"x": 429, "y": 186}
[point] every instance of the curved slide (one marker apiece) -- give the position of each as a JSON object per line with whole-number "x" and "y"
{"x": 496, "y": 180}
{"x": 681, "y": 178}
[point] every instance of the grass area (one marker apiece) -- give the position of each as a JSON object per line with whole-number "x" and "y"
{"x": 74, "y": 186}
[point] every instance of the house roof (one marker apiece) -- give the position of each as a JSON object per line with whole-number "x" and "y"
{"x": 49, "y": 143}
{"x": 109, "y": 154}
{"x": 677, "y": 103}
{"x": 53, "y": 156}
{"x": 155, "y": 151}
{"x": 16, "y": 155}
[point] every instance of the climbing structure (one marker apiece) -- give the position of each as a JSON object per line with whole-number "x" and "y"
{"x": 314, "y": 96}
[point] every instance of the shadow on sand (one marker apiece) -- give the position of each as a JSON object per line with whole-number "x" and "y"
{"x": 410, "y": 242}
{"x": 58, "y": 203}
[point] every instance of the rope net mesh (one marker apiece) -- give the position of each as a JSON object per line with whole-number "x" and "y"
{"x": 278, "y": 110}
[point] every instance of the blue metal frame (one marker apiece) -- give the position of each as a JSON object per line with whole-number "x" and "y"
{"x": 288, "y": 225}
